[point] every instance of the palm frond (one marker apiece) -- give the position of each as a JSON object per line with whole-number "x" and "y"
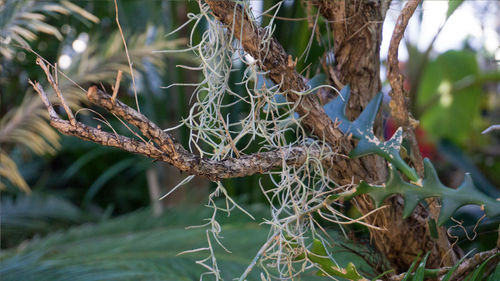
{"x": 22, "y": 20}
{"x": 26, "y": 216}
{"x": 100, "y": 62}
{"x": 28, "y": 123}
{"x": 8, "y": 170}
{"x": 137, "y": 246}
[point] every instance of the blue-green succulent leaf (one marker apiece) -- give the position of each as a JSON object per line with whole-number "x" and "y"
{"x": 364, "y": 123}
{"x": 451, "y": 199}
{"x": 317, "y": 80}
{"x": 335, "y": 109}
{"x": 362, "y": 129}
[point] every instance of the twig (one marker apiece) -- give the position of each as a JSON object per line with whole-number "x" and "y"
{"x": 55, "y": 86}
{"x": 117, "y": 85}
{"x": 399, "y": 106}
{"x": 228, "y": 135}
{"x": 95, "y": 135}
{"x": 261, "y": 251}
{"x": 128, "y": 56}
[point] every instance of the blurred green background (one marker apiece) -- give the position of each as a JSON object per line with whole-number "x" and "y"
{"x": 65, "y": 201}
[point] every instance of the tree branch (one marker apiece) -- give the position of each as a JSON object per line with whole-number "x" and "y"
{"x": 399, "y": 102}
{"x": 166, "y": 148}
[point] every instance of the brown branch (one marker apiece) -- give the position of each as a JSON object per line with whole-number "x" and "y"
{"x": 185, "y": 161}
{"x": 85, "y": 132}
{"x": 399, "y": 103}
{"x": 399, "y": 109}
{"x": 56, "y": 89}
{"x": 166, "y": 148}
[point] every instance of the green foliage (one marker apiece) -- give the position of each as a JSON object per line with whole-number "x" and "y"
{"x": 477, "y": 274}
{"x": 137, "y": 246}
{"x": 410, "y": 270}
{"x": 452, "y": 7}
{"x": 10, "y": 171}
{"x": 448, "y": 275}
{"x": 451, "y": 199}
{"x": 496, "y": 274}
{"x": 451, "y": 102}
{"x": 26, "y": 216}
{"x": 420, "y": 272}
{"x": 320, "y": 256}
{"x": 27, "y": 124}
{"x": 362, "y": 129}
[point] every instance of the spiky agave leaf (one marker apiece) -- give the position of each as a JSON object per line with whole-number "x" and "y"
{"x": 22, "y": 20}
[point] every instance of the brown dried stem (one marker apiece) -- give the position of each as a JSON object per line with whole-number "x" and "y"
{"x": 117, "y": 85}
{"x": 53, "y": 83}
{"x": 399, "y": 109}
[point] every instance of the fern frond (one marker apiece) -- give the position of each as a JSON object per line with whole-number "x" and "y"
{"x": 25, "y": 216}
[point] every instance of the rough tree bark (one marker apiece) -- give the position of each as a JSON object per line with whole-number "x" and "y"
{"x": 357, "y": 33}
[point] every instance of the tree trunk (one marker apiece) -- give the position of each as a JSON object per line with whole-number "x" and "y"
{"x": 357, "y": 33}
